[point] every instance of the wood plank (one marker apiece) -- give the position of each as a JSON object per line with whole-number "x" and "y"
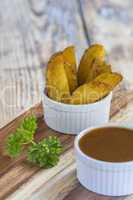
{"x": 20, "y": 89}
{"x": 60, "y": 181}
{"x": 56, "y": 24}
{"x": 17, "y": 47}
{"x": 81, "y": 193}
{"x": 110, "y": 23}
{"x": 60, "y": 185}
{"x": 17, "y": 175}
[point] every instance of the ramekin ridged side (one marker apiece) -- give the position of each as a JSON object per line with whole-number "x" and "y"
{"x": 106, "y": 178}
{"x": 72, "y": 119}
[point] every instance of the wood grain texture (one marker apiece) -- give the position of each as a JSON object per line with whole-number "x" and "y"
{"x": 56, "y": 25}
{"x": 20, "y": 89}
{"x": 19, "y": 179}
{"x": 17, "y": 43}
{"x": 30, "y": 31}
{"x": 81, "y": 193}
{"x": 110, "y": 23}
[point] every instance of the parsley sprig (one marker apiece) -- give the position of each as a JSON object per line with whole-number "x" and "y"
{"x": 44, "y": 153}
{"x": 23, "y": 135}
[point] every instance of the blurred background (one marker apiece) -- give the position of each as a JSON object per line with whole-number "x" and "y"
{"x": 31, "y": 30}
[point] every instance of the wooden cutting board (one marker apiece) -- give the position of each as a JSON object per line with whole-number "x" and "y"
{"x": 20, "y": 180}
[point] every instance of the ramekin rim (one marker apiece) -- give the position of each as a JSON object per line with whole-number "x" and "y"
{"x": 88, "y": 158}
{"x": 77, "y": 105}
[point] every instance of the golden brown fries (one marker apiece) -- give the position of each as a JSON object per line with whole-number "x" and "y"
{"x": 57, "y": 83}
{"x": 97, "y": 89}
{"x": 109, "y": 79}
{"x": 98, "y": 67}
{"x": 93, "y": 81}
{"x": 70, "y": 67}
{"x": 94, "y": 52}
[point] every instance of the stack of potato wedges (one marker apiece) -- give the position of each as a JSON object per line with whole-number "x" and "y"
{"x": 92, "y": 80}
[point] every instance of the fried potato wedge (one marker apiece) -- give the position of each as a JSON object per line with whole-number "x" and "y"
{"x": 98, "y": 67}
{"x": 94, "y": 52}
{"x": 70, "y": 67}
{"x": 56, "y": 80}
{"x": 96, "y": 89}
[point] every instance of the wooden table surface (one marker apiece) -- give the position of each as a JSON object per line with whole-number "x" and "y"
{"x": 20, "y": 180}
{"x": 30, "y": 31}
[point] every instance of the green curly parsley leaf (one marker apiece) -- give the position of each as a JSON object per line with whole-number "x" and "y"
{"x": 45, "y": 153}
{"x": 13, "y": 146}
{"x": 23, "y": 135}
{"x": 29, "y": 124}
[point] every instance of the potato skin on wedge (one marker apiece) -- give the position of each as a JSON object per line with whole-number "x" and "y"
{"x": 94, "y": 52}
{"x": 96, "y": 89}
{"x": 56, "y": 80}
{"x": 98, "y": 67}
{"x": 70, "y": 67}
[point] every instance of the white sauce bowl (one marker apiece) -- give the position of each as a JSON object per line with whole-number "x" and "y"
{"x": 106, "y": 178}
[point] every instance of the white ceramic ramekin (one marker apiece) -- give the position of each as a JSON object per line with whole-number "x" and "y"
{"x": 107, "y": 178}
{"x": 72, "y": 119}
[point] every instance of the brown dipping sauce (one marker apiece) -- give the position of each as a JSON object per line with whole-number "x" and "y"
{"x": 108, "y": 144}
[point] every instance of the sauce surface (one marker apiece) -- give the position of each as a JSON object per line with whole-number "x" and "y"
{"x": 108, "y": 144}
